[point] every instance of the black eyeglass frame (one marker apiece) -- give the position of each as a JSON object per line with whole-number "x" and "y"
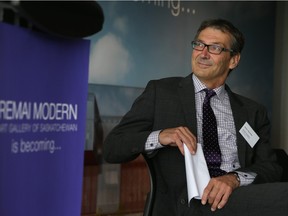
{"x": 193, "y": 43}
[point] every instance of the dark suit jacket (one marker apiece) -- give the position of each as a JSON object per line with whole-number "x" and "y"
{"x": 169, "y": 103}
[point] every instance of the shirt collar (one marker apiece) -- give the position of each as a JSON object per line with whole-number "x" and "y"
{"x": 199, "y": 86}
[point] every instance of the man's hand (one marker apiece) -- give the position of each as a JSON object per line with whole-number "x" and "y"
{"x": 219, "y": 190}
{"x": 177, "y": 136}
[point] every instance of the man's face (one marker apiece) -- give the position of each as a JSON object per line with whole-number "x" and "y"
{"x": 213, "y": 69}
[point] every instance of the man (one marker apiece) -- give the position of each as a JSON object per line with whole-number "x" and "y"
{"x": 169, "y": 114}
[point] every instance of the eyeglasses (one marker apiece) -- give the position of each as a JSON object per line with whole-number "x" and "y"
{"x": 213, "y": 48}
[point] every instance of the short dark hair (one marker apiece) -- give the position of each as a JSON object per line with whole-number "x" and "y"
{"x": 238, "y": 39}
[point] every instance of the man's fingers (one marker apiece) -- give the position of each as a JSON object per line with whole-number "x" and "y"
{"x": 189, "y": 139}
{"x": 178, "y": 136}
{"x": 223, "y": 202}
{"x": 216, "y": 199}
{"x": 180, "y": 145}
{"x": 217, "y": 192}
{"x": 206, "y": 193}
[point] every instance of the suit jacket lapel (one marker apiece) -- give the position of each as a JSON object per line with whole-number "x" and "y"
{"x": 187, "y": 97}
{"x": 240, "y": 117}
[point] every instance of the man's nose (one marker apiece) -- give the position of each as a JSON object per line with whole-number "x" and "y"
{"x": 204, "y": 52}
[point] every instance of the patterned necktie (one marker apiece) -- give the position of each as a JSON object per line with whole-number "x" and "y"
{"x": 211, "y": 147}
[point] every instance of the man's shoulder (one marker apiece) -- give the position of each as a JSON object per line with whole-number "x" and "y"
{"x": 245, "y": 101}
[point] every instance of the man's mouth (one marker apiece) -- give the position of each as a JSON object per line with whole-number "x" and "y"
{"x": 204, "y": 63}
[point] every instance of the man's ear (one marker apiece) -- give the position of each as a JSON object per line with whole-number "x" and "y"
{"x": 234, "y": 61}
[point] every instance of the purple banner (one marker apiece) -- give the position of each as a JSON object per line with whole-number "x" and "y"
{"x": 43, "y": 92}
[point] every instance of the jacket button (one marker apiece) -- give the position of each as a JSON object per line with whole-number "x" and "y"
{"x": 183, "y": 201}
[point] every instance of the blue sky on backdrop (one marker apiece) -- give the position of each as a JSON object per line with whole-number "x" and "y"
{"x": 144, "y": 40}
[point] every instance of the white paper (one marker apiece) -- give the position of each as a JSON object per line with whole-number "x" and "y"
{"x": 197, "y": 173}
{"x": 249, "y": 134}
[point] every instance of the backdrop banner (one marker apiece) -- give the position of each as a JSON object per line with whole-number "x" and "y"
{"x": 43, "y": 92}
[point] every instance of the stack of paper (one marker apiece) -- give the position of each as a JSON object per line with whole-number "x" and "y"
{"x": 197, "y": 173}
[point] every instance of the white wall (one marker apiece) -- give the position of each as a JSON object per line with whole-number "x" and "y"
{"x": 280, "y": 94}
